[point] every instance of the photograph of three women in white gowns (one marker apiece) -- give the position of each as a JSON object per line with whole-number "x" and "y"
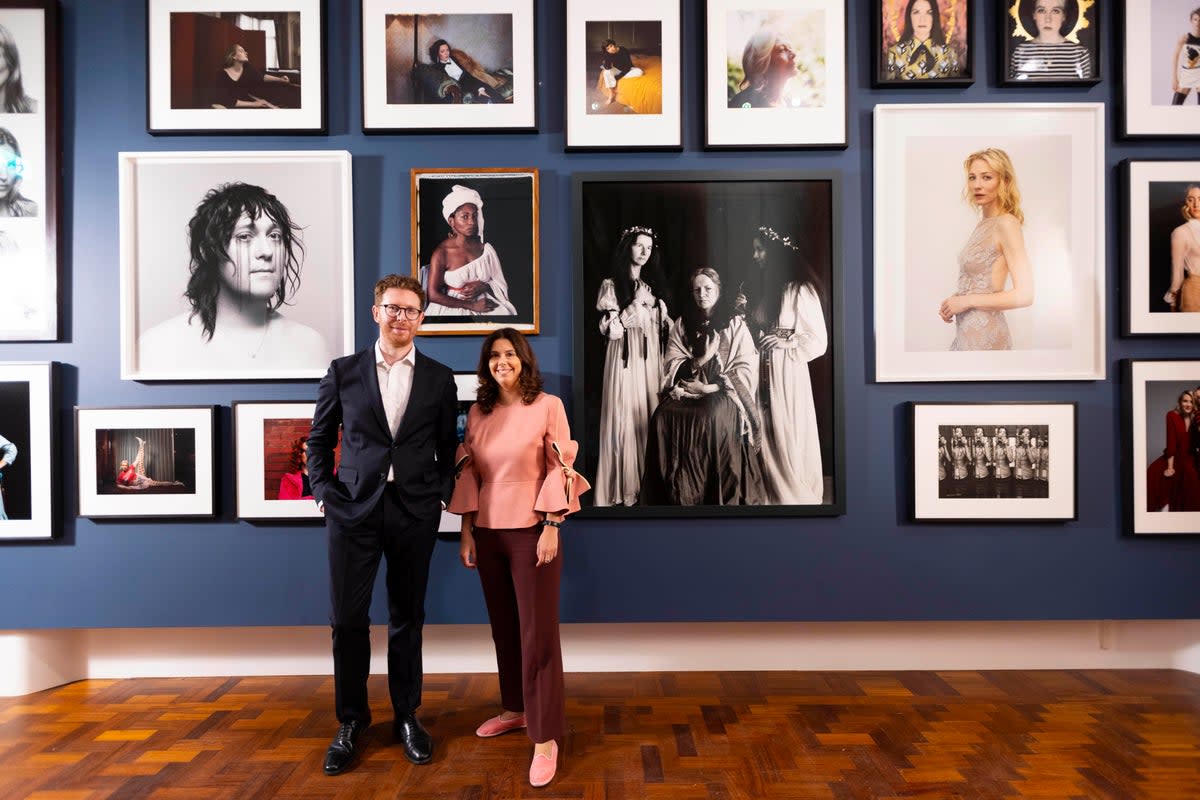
{"x": 706, "y": 343}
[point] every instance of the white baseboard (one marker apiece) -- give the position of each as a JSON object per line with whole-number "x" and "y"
{"x": 39, "y": 659}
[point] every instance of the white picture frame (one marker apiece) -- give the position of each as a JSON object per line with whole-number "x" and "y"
{"x": 1152, "y": 389}
{"x": 1154, "y": 31}
{"x": 178, "y": 461}
{"x": 182, "y": 91}
{"x": 1056, "y": 494}
{"x": 814, "y": 114}
{"x": 31, "y": 488}
{"x": 162, "y": 331}
{"x": 633, "y": 121}
{"x": 467, "y": 384}
{"x": 263, "y": 435}
{"x": 1057, "y": 151}
{"x": 497, "y": 35}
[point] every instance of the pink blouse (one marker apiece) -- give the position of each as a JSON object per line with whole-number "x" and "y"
{"x": 513, "y": 476}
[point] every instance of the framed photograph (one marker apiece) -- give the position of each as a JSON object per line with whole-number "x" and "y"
{"x": 271, "y": 460}
{"x": 1050, "y": 42}
{"x": 468, "y": 383}
{"x": 1161, "y": 441}
{"x": 451, "y": 67}
{"x": 145, "y": 462}
{"x": 624, "y": 68}
{"x": 923, "y": 43}
{"x": 30, "y": 124}
{"x": 478, "y": 278}
{"x": 235, "y": 265}
{"x": 998, "y": 272}
{"x": 227, "y": 66}
{"x": 1162, "y": 266}
{"x": 708, "y": 368}
{"x": 1162, "y": 68}
{"x": 775, "y": 77}
{"x": 974, "y": 462}
{"x": 28, "y": 447}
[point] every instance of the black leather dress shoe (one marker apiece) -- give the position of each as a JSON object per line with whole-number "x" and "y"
{"x": 418, "y": 744}
{"x": 344, "y": 746}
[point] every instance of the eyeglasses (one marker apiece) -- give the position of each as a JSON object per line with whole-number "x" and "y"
{"x": 394, "y": 311}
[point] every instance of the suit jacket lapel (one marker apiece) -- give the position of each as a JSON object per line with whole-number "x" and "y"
{"x": 370, "y": 379}
{"x": 420, "y": 385}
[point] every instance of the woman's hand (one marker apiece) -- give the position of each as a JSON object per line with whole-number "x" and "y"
{"x": 471, "y": 289}
{"x": 772, "y": 342}
{"x": 481, "y": 306}
{"x": 547, "y": 546}
{"x": 711, "y": 348}
{"x": 952, "y": 306}
{"x": 615, "y": 329}
{"x": 466, "y": 550}
{"x": 1169, "y": 472}
{"x": 1169, "y": 298}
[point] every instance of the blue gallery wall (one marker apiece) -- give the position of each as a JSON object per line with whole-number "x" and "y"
{"x": 869, "y": 564}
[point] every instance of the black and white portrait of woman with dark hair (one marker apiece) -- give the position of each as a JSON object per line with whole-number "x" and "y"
{"x": 12, "y": 172}
{"x": 13, "y": 99}
{"x": 245, "y": 264}
{"x": 634, "y": 323}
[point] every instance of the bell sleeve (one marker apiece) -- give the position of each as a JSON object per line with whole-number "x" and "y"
{"x": 562, "y": 485}
{"x": 465, "y": 498}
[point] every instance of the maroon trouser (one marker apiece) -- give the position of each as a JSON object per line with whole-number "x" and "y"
{"x": 522, "y": 603}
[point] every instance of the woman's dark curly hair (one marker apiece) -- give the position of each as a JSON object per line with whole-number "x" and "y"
{"x": 651, "y": 274}
{"x": 297, "y": 457}
{"x": 433, "y": 50}
{"x": 529, "y": 381}
{"x": 209, "y": 232}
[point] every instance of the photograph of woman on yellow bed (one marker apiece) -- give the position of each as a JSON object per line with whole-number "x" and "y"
{"x": 624, "y": 67}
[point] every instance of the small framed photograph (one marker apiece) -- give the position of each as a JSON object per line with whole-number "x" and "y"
{"x": 1162, "y": 442}
{"x": 145, "y": 462}
{"x": 475, "y": 248}
{"x": 923, "y": 43}
{"x": 1162, "y": 266}
{"x": 449, "y": 67}
{"x": 468, "y": 384}
{"x": 30, "y": 125}
{"x": 1020, "y": 185}
{"x": 1050, "y": 42}
{"x": 775, "y": 77}
{"x": 29, "y": 480}
{"x": 992, "y": 461}
{"x": 270, "y": 442}
{"x": 708, "y": 368}
{"x": 231, "y": 67}
{"x": 624, "y": 68}
{"x": 1161, "y": 69}
{"x": 235, "y": 265}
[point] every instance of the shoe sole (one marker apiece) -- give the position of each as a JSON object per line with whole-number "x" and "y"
{"x": 499, "y": 733}
{"x": 425, "y": 760}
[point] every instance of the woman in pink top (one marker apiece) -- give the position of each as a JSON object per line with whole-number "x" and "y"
{"x": 515, "y": 485}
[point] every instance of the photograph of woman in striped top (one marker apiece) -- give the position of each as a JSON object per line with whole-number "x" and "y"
{"x": 1050, "y": 40}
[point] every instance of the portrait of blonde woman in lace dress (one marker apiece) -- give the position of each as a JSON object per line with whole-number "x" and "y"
{"x": 994, "y": 273}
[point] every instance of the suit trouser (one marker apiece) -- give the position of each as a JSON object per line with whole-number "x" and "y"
{"x": 354, "y": 555}
{"x": 522, "y": 604}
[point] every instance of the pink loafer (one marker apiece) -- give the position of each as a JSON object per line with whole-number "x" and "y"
{"x": 496, "y": 726}
{"x": 542, "y": 769}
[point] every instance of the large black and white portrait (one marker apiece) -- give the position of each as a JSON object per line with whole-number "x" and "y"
{"x": 235, "y": 265}
{"x": 475, "y": 248}
{"x": 28, "y": 216}
{"x": 225, "y": 65}
{"x": 707, "y": 347}
{"x": 998, "y": 272}
{"x": 993, "y": 461}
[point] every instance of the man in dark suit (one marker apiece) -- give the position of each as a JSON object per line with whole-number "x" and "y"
{"x": 397, "y": 411}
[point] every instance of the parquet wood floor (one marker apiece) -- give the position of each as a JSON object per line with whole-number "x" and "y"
{"x": 686, "y": 736}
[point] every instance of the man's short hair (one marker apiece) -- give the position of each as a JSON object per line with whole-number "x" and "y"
{"x": 395, "y": 281}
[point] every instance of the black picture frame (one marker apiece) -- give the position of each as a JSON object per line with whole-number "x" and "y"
{"x": 31, "y": 124}
{"x": 1025, "y": 62}
{"x": 1022, "y": 477}
{"x": 887, "y": 51}
{"x": 729, "y": 206}
{"x": 187, "y": 45}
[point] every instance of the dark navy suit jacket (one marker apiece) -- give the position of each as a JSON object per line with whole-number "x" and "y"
{"x": 421, "y": 453}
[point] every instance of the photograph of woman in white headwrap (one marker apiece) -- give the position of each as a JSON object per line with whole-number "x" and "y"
{"x": 475, "y": 249}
